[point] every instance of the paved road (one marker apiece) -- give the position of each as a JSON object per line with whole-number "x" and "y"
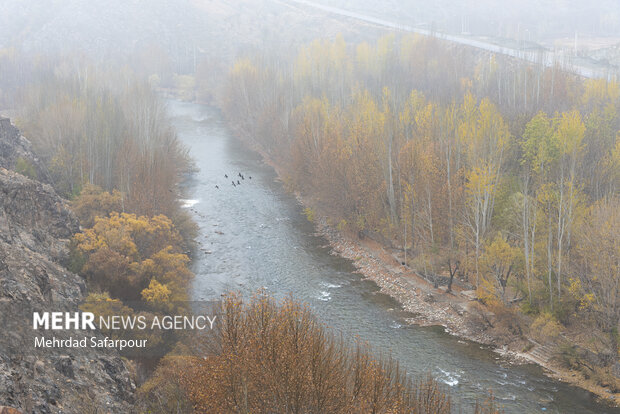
{"x": 541, "y": 55}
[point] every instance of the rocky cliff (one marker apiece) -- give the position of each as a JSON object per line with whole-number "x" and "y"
{"x": 35, "y": 227}
{"x": 16, "y": 152}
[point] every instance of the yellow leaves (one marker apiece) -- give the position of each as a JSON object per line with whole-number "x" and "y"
{"x": 499, "y": 253}
{"x": 124, "y": 252}
{"x": 322, "y": 58}
{"x": 570, "y": 132}
{"x": 492, "y": 126}
{"x": 486, "y": 292}
{"x": 419, "y": 118}
{"x": 342, "y": 225}
{"x": 309, "y": 213}
{"x": 586, "y": 299}
{"x": 243, "y": 67}
{"x": 363, "y": 55}
{"x": 102, "y": 305}
{"x": 600, "y": 92}
{"x": 481, "y": 180}
{"x": 545, "y": 327}
{"x": 94, "y": 202}
{"x": 540, "y": 147}
{"x": 385, "y": 46}
{"x": 107, "y": 232}
{"x": 156, "y": 292}
{"x": 499, "y": 260}
{"x": 482, "y": 131}
{"x": 314, "y": 126}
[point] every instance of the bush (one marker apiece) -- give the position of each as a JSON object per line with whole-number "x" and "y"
{"x": 25, "y": 167}
{"x": 309, "y": 213}
{"x": 123, "y": 253}
{"x": 546, "y": 328}
{"x": 568, "y": 356}
{"x": 94, "y": 202}
{"x": 162, "y": 393}
{"x": 605, "y": 378}
{"x": 508, "y": 321}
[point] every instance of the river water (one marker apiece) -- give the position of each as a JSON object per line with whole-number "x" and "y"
{"x": 255, "y": 236}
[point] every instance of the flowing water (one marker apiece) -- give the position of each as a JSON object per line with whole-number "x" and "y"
{"x": 254, "y": 235}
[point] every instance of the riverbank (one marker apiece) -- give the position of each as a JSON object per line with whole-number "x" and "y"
{"x": 457, "y": 312}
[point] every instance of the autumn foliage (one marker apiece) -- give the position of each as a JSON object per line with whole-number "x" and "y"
{"x": 480, "y": 168}
{"x": 134, "y": 258}
{"x": 105, "y": 130}
{"x": 275, "y": 357}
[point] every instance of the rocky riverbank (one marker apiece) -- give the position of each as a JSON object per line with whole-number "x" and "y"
{"x": 458, "y": 313}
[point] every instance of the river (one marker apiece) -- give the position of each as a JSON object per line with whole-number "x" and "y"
{"x": 254, "y": 235}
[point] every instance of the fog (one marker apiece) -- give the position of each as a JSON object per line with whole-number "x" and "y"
{"x": 217, "y": 28}
{"x": 456, "y": 160}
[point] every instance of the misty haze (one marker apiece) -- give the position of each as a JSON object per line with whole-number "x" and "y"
{"x": 381, "y": 207}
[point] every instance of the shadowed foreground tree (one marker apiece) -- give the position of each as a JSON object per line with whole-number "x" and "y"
{"x": 270, "y": 357}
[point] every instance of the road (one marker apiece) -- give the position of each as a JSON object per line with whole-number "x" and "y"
{"x": 542, "y": 56}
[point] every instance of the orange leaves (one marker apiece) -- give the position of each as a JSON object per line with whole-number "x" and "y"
{"x": 269, "y": 356}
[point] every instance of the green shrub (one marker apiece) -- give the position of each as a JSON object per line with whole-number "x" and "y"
{"x": 25, "y": 167}
{"x": 309, "y": 213}
{"x": 569, "y": 357}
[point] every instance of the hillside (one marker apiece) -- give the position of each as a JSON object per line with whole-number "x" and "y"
{"x": 35, "y": 225}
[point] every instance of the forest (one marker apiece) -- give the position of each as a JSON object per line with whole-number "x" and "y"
{"x": 110, "y": 149}
{"x": 497, "y": 174}
{"x": 481, "y": 173}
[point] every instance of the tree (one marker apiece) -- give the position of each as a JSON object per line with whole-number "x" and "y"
{"x": 500, "y": 259}
{"x": 539, "y": 150}
{"x": 540, "y": 153}
{"x": 569, "y": 133}
{"x": 108, "y": 132}
{"x": 156, "y": 293}
{"x": 485, "y": 137}
{"x": 94, "y": 202}
{"x": 267, "y": 356}
{"x": 124, "y": 254}
{"x": 596, "y": 268}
